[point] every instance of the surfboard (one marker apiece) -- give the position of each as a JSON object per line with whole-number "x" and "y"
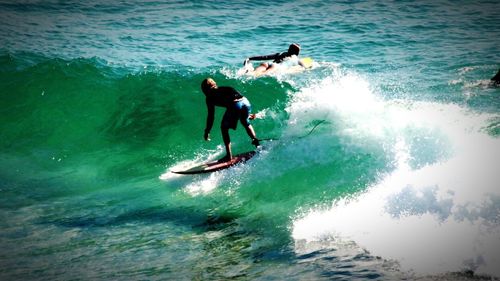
{"x": 217, "y": 165}
{"x": 307, "y": 62}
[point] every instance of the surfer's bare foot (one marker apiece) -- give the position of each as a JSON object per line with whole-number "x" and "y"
{"x": 256, "y": 142}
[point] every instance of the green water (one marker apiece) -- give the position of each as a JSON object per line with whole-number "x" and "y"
{"x": 84, "y": 145}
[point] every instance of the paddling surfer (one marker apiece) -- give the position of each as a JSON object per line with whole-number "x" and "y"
{"x": 288, "y": 58}
{"x": 237, "y": 108}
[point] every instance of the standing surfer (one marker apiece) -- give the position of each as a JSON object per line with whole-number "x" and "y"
{"x": 237, "y": 108}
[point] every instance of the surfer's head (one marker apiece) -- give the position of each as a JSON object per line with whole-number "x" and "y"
{"x": 208, "y": 85}
{"x": 294, "y": 49}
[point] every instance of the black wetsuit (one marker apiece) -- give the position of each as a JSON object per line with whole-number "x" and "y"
{"x": 237, "y": 107}
{"x": 223, "y": 96}
{"x": 277, "y": 58}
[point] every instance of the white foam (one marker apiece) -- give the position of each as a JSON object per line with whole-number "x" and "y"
{"x": 203, "y": 186}
{"x": 432, "y": 214}
{"x": 198, "y": 184}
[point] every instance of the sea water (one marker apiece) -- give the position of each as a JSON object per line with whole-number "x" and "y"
{"x": 381, "y": 161}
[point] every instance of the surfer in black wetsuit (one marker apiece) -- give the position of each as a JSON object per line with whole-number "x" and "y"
{"x": 293, "y": 50}
{"x": 496, "y": 79}
{"x": 237, "y": 108}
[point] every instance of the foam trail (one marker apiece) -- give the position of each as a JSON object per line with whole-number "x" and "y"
{"x": 437, "y": 211}
{"x": 202, "y": 184}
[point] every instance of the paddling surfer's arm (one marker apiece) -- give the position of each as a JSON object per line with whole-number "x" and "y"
{"x": 293, "y": 49}
{"x": 210, "y": 120}
{"x": 267, "y": 57}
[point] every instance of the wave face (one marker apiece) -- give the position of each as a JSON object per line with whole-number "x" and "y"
{"x": 379, "y": 163}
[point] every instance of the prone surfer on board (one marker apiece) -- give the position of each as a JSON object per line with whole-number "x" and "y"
{"x": 237, "y": 108}
{"x": 288, "y": 58}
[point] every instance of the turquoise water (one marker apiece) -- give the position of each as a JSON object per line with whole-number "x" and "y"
{"x": 383, "y": 164}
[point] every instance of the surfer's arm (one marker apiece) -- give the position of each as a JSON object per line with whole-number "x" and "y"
{"x": 210, "y": 121}
{"x": 268, "y": 57}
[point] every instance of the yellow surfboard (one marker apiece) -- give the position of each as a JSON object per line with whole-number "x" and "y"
{"x": 306, "y": 62}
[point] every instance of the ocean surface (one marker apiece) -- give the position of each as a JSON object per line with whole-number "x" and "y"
{"x": 382, "y": 161}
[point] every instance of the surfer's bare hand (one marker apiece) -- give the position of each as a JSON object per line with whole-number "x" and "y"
{"x": 252, "y": 116}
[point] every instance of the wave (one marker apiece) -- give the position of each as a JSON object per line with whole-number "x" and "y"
{"x": 410, "y": 181}
{"x": 436, "y": 209}
{"x": 397, "y": 177}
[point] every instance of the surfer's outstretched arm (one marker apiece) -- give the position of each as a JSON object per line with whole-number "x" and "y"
{"x": 293, "y": 49}
{"x": 267, "y": 57}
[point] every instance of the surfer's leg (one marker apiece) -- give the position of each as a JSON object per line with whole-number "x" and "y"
{"x": 227, "y": 143}
{"x": 261, "y": 68}
{"x": 251, "y": 134}
{"x": 244, "y": 112}
{"x": 271, "y": 68}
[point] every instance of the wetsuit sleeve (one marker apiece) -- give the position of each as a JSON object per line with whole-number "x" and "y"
{"x": 210, "y": 117}
{"x": 268, "y": 57}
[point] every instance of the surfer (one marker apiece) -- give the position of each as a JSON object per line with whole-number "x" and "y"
{"x": 288, "y": 58}
{"x": 237, "y": 108}
{"x": 496, "y": 79}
